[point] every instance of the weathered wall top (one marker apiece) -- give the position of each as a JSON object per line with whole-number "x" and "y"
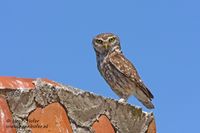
{"x": 41, "y": 105}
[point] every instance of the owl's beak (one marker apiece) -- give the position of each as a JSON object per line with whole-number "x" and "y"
{"x": 106, "y": 46}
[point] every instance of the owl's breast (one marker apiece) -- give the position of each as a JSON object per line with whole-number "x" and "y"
{"x": 119, "y": 84}
{"x": 105, "y": 69}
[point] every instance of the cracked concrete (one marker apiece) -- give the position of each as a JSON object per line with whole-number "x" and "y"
{"x": 83, "y": 108}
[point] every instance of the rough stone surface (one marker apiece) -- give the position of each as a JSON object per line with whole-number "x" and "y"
{"x": 83, "y": 108}
{"x": 124, "y": 117}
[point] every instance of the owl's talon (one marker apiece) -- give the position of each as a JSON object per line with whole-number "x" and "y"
{"x": 122, "y": 100}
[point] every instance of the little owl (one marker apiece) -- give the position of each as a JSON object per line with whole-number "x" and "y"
{"x": 118, "y": 71}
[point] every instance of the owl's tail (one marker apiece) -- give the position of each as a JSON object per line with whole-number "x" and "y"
{"x": 145, "y": 97}
{"x": 148, "y": 104}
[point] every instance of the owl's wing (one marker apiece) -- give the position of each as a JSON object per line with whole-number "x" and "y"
{"x": 124, "y": 66}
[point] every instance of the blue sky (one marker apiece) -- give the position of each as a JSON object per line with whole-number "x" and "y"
{"x": 52, "y": 39}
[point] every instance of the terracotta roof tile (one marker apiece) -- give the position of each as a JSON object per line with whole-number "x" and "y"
{"x": 51, "y": 119}
{"x": 16, "y": 83}
{"x": 103, "y": 125}
{"x": 152, "y": 127}
{"x": 7, "y": 82}
{"x": 6, "y": 124}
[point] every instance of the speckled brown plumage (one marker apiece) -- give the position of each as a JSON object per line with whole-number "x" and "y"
{"x": 118, "y": 71}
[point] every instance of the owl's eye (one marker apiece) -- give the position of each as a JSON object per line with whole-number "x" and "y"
{"x": 111, "y": 40}
{"x": 99, "y": 41}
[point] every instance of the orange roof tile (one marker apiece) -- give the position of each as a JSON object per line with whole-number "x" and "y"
{"x": 16, "y": 83}
{"x": 6, "y": 124}
{"x": 152, "y": 127}
{"x": 103, "y": 125}
{"x": 51, "y": 119}
{"x": 7, "y": 82}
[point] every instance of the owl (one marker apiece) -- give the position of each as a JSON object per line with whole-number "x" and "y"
{"x": 118, "y": 71}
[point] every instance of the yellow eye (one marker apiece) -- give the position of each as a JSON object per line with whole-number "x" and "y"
{"x": 111, "y": 40}
{"x": 99, "y": 41}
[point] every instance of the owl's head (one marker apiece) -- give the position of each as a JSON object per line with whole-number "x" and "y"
{"x": 106, "y": 42}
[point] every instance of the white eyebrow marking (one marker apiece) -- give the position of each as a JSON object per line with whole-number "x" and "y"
{"x": 107, "y": 39}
